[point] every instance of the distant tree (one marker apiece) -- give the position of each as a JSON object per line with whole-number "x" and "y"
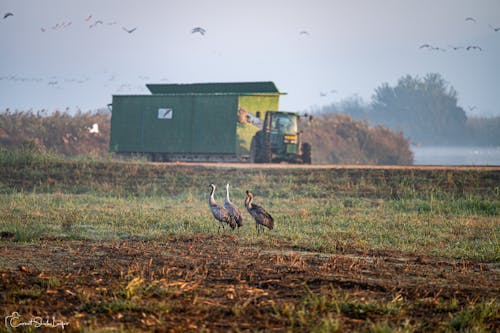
{"x": 425, "y": 109}
{"x": 353, "y": 106}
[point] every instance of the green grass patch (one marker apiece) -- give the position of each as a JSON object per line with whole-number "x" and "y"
{"x": 449, "y": 213}
{"x": 314, "y": 224}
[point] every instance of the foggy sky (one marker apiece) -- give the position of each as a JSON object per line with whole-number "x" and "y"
{"x": 350, "y": 48}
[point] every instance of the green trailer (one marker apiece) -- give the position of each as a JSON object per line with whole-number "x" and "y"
{"x": 191, "y": 122}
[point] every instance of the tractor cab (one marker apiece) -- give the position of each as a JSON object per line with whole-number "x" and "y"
{"x": 279, "y": 140}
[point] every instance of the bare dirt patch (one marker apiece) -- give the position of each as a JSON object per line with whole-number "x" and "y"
{"x": 221, "y": 283}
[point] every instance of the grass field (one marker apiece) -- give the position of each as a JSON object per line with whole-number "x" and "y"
{"x": 107, "y": 245}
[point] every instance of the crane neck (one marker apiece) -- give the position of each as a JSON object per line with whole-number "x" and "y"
{"x": 248, "y": 201}
{"x": 211, "y": 199}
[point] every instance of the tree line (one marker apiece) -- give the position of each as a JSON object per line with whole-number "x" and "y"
{"x": 425, "y": 110}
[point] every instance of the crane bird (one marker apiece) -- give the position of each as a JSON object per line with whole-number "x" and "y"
{"x": 220, "y": 213}
{"x": 199, "y": 30}
{"x": 129, "y": 30}
{"x": 232, "y": 209}
{"x": 261, "y": 217}
{"x": 473, "y": 47}
{"x": 495, "y": 29}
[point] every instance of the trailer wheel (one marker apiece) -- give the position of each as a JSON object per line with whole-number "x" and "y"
{"x": 306, "y": 153}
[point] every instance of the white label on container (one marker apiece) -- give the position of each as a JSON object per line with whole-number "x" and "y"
{"x": 165, "y": 113}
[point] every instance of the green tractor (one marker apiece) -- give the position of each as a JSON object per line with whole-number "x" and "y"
{"x": 279, "y": 140}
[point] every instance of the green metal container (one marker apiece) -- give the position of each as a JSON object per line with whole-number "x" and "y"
{"x": 187, "y": 120}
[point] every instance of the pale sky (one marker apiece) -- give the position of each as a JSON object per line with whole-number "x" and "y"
{"x": 57, "y": 53}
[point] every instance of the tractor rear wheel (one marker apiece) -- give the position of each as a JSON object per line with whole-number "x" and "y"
{"x": 253, "y": 150}
{"x": 266, "y": 156}
{"x": 260, "y": 150}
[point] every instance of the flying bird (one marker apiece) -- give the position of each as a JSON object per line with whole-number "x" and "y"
{"x": 494, "y": 29}
{"x": 431, "y": 48}
{"x": 471, "y": 19}
{"x": 96, "y": 23}
{"x": 304, "y": 32}
{"x": 129, "y": 30}
{"x": 473, "y": 47}
{"x": 261, "y": 217}
{"x": 232, "y": 209}
{"x": 7, "y": 15}
{"x": 220, "y": 213}
{"x": 199, "y": 30}
{"x": 456, "y": 47}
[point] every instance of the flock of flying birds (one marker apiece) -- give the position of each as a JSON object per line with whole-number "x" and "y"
{"x": 93, "y": 23}
{"x": 456, "y": 48}
{"x": 66, "y": 24}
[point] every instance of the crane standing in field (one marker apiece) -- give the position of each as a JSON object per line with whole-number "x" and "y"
{"x": 232, "y": 209}
{"x": 261, "y": 217}
{"x": 220, "y": 213}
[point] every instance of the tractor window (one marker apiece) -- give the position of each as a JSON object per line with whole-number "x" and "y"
{"x": 284, "y": 123}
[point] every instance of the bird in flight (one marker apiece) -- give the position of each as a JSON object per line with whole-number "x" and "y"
{"x": 129, "y": 30}
{"x": 456, "y": 47}
{"x": 431, "y": 48}
{"x": 199, "y": 29}
{"x": 7, "y": 15}
{"x": 96, "y": 23}
{"x": 494, "y": 29}
{"x": 471, "y": 19}
{"x": 304, "y": 32}
{"x": 473, "y": 47}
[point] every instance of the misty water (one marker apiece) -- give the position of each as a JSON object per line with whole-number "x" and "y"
{"x": 443, "y": 155}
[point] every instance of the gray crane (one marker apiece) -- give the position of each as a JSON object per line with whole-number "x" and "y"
{"x": 261, "y": 217}
{"x": 232, "y": 209}
{"x": 220, "y": 213}
{"x": 200, "y": 30}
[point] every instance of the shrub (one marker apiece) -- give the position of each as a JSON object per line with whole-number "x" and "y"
{"x": 59, "y": 132}
{"x": 337, "y": 138}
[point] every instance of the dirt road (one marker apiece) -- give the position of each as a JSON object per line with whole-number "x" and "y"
{"x": 331, "y": 166}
